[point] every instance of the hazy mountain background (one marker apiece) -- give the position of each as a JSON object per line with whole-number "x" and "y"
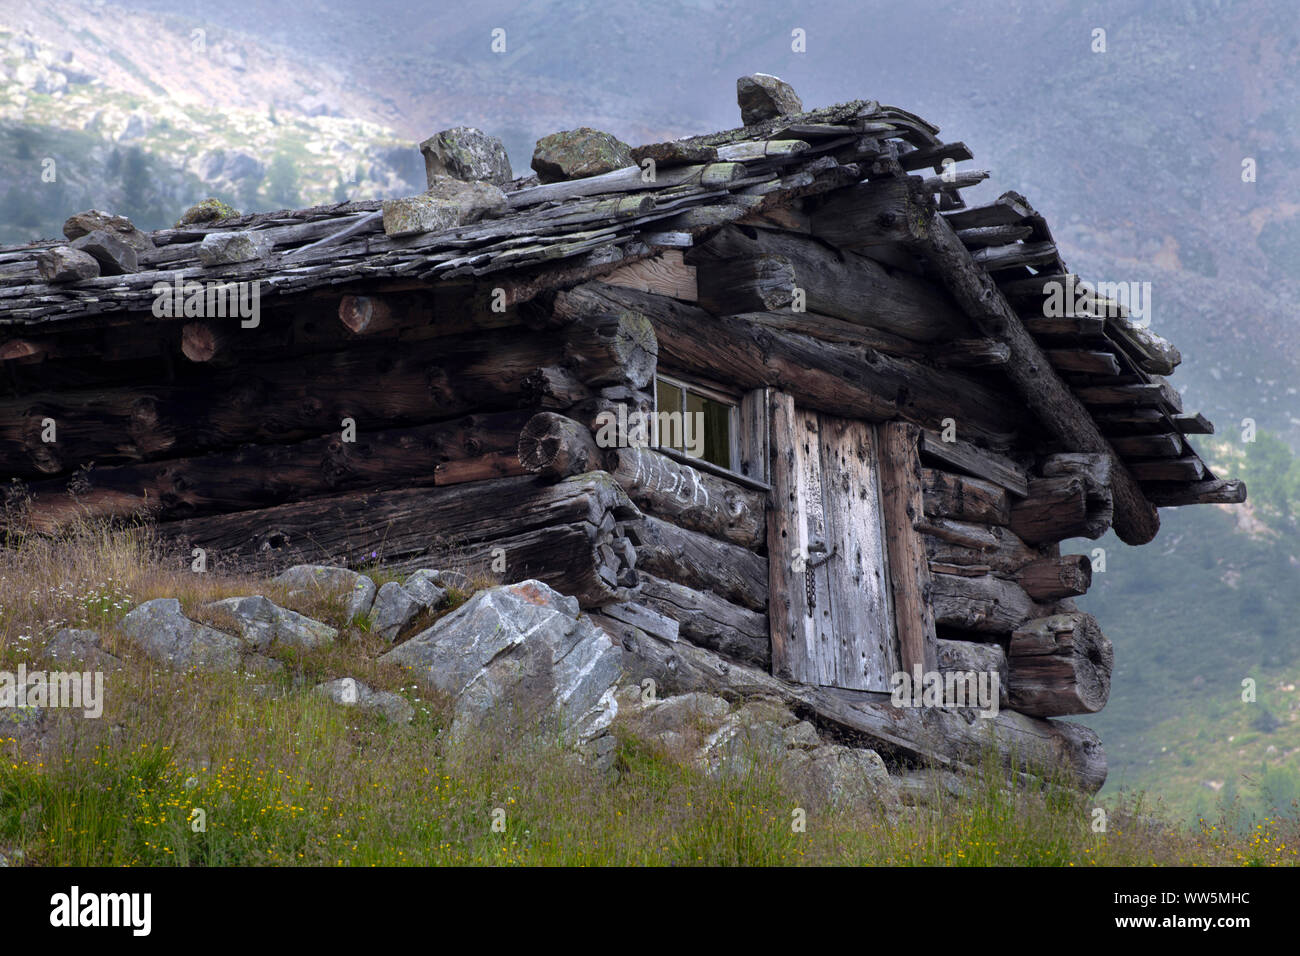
{"x": 1134, "y": 154}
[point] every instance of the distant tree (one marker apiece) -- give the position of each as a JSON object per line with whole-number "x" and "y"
{"x": 1272, "y": 475}
{"x": 282, "y": 183}
{"x": 23, "y": 138}
{"x": 135, "y": 184}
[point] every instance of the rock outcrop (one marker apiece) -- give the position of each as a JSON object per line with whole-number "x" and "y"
{"x": 262, "y": 623}
{"x": 520, "y": 655}
{"x": 316, "y": 580}
{"x": 161, "y": 629}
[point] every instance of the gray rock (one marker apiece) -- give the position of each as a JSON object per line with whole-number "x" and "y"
{"x": 429, "y": 587}
{"x": 81, "y": 645}
{"x": 92, "y": 220}
{"x": 577, "y": 154}
{"x": 764, "y": 97}
{"x": 848, "y": 775}
{"x": 673, "y": 154}
{"x": 316, "y": 579}
{"x": 65, "y": 264}
{"x": 114, "y": 255}
{"x": 162, "y": 631}
{"x": 679, "y": 714}
{"x": 263, "y": 623}
{"x": 468, "y": 154}
{"x": 394, "y": 608}
{"x": 228, "y": 248}
{"x": 447, "y": 203}
{"x": 350, "y": 692}
{"x": 521, "y": 654}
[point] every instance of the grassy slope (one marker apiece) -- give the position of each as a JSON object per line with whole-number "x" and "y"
{"x": 284, "y": 777}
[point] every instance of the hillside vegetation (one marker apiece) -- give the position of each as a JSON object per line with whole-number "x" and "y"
{"x": 196, "y": 768}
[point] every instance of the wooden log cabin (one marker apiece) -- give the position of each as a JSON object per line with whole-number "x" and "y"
{"x": 895, "y": 430}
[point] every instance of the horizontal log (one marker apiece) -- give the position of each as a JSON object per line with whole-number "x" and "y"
{"x": 972, "y": 545}
{"x": 700, "y": 562}
{"x": 1065, "y": 326}
{"x": 1014, "y": 255}
{"x": 1160, "y": 394}
{"x": 972, "y": 353}
{"x": 204, "y": 341}
{"x": 967, "y": 657}
{"x": 1056, "y": 509}
{"x": 707, "y": 620}
{"x": 870, "y": 213}
{"x": 564, "y": 532}
{"x": 759, "y": 283}
{"x": 1222, "y": 491}
{"x": 1148, "y": 446}
{"x": 943, "y": 737}
{"x": 1189, "y": 468}
{"x": 1050, "y": 579}
{"x": 837, "y": 379}
{"x": 1146, "y": 420}
{"x": 259, "y": 476}
{"x": 1060, "y": 665}
{"x": 366, "y": 315}
{"x": 836, "y": 330}
{"x": 638, "y": 615}
{"x": 934, "y": 156}
{"x": 980, "y": 462}
{"x": 1005, "y": 210}
{"x": 606, "y": 344}
{"x": 281, "y": 400}
{"x": 987, "y": 604}
{"x": 555, "y": 388}
{"x": 556, "y": 447}
{"x": 1091, "y": 363}
{"x": 969, "y": 499}
{"x": 980, "y": 237}
{"x": 689, "y": 497}
{"x": 844, "y": 285}
{"x": 495, "y": 464}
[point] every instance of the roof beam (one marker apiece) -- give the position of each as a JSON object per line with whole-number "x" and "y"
{"x": 1136, "y": 520}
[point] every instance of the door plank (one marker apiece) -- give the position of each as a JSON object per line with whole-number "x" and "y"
{"x": 822, "y": 652}
{"x": 900, "y": 485}
{"x": 787, "y": 607}
{"x": 865, "y": 652}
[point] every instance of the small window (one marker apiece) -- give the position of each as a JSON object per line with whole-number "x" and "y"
{"x": 695, "y": 422}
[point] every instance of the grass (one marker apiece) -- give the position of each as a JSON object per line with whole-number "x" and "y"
{"x": 194, "y": 769}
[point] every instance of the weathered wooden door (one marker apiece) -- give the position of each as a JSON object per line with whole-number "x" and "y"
{"x": 830, "y": 604}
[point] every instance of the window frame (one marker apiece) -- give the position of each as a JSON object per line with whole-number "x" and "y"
{"x": 733, "y": 404}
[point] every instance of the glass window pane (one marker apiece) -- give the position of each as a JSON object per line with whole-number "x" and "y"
{"x": 716, "y": 419}
{"x": 668, "y": 398}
